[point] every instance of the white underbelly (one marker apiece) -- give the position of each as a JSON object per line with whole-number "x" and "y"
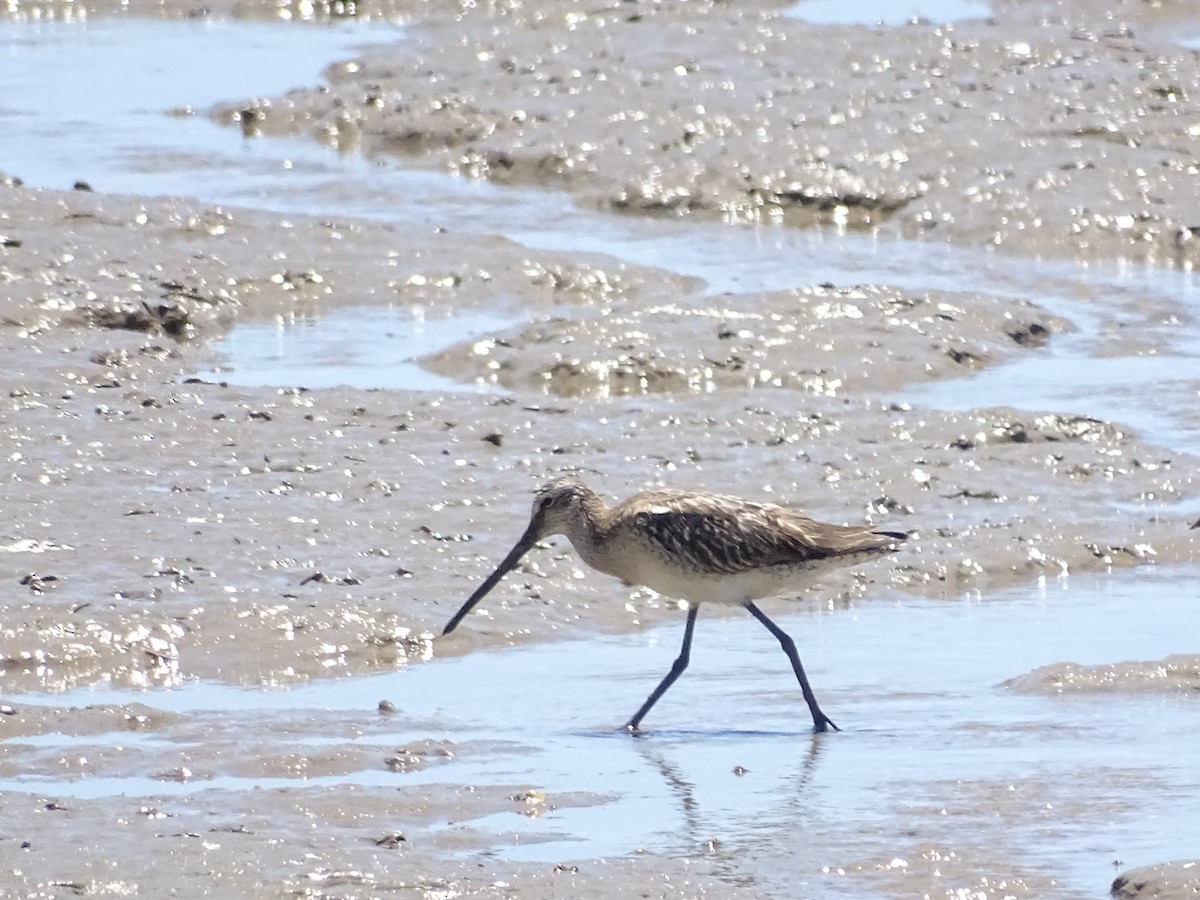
{"x": 733, "y": 590}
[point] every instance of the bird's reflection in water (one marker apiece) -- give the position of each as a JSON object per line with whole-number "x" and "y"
{"x": 708, "y": 829}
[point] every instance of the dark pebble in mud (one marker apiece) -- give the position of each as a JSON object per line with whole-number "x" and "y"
{"x": 39, "y": 584}
{"x": 392, "y": 840}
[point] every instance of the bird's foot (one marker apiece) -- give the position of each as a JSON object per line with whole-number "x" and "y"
{"x": 632, "y": 729}
{"x": 822, "y": 723}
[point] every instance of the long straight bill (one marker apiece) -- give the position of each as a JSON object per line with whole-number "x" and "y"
{"x": 514, "y": 555}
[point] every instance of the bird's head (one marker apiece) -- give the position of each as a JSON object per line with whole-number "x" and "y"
{"x": 559, "y": 507}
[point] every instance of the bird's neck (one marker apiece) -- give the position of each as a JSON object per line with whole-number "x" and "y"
{"x": 589, "y": 525}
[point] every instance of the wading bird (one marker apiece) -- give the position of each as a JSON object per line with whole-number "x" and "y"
{"x": 699, "y": 548}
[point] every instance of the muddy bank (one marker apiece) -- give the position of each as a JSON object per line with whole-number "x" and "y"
{"x": 1166, "y": 881}
{"x": 183, "y": 272}
{"x": 790, "y": 340}
{"x": 340, "y": 527}
{"x": 1046, "y": 130}
{"x": 335, "y": 842}
{"x": 1175, "y": 674}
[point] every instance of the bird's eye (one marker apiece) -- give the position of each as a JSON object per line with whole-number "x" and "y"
{"x": 546, "y": 502}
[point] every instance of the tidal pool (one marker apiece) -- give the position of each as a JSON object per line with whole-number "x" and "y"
{"x": 935, "y": 749}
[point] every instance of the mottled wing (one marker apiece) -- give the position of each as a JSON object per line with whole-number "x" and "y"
{"x": 724, "y": 535}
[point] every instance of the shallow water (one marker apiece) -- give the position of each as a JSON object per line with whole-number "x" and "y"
{"x": 328, "y": 350}
{"x": 121, "y": 104}
{"x": 915, "y": 684}
{"x": 887, "y": 12}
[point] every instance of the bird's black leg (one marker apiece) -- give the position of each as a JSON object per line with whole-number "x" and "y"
{"x": 677, "y": 667}
{"x": 821, "y": 722}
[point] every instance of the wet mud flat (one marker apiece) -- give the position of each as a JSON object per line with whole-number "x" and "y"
{"x": 165, "y": 531}
{"x": 300, "y": 497}
{"x": 893, "y": 130}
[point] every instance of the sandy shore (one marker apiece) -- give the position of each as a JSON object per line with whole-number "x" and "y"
{"x": 160, "y": 528}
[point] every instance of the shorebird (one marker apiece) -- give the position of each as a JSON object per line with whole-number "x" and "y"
{"x": 699, "y": 548}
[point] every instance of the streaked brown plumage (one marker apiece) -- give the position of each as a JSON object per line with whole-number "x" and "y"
{"x": 697, "y": 547}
